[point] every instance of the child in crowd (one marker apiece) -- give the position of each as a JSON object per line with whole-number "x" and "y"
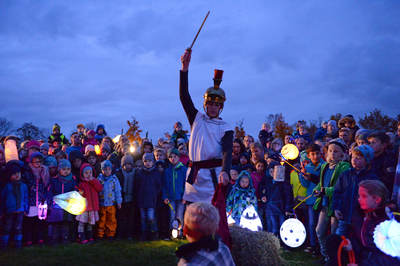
{"x": 173, "y": 186}
{"x": 245, "y": 165}
{"x": 60, "y": 221}
{"x": 89, "y": 187}
{"x": 147, "y": 188}
{"x": 309, "y": 178}
{"x": 110, "y": 199}
{"x": 277, "y": 196}
{"x": 13, "y": 205}
{"x": 92, "y": 159}
{"x": 126, "y": 176}
{"x": 330, "y": 172}
{"x": 52, "y": 164}
{"x": 242, "y": 196}
{"x": 204, "y": 247}
{"x": 90, "y": 140}
{"x": 100, "y": 133}
{"x": 35, "y": 228}
{"x": 183, "y": 151}
{"x": 234, "y": 173}
{"x": 344, "y": 198}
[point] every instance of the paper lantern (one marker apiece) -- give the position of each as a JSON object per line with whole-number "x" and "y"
{"x": 97, "y": 149}
{"x": 71, "y": 202}
{"x": 290, "y": 152}
{"x": 250, "y": 219}
{"x": 116, "y": 139}
{"x": 132, "y": 149}
{"x": 42, "y": 211}
{"x": 10, "y": 149}
{"x": 387, "y": 237}
{"x": 293, "y": 232}
{"x": 229, "y": 219}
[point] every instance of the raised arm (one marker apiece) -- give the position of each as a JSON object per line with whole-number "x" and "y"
{"x": 184, "y": 95}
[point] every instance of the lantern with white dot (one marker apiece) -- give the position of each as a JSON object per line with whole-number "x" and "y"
{"x": 293, "y": 232}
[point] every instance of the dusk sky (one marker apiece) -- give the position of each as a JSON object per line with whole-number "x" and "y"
{"x": 75, "y": 62}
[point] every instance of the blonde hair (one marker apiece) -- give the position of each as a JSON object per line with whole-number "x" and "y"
{"x": 202, "y": 217}
{"x": 376, "y": 188}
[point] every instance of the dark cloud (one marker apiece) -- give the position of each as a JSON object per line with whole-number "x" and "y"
{"x": 106, "y": 61}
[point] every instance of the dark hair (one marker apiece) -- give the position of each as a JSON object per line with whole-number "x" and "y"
{"x": 313, "y": 148}
{"x": 376, "y": 188}
{"x": 380, "y": 135}
{"x": 242, "y": 148}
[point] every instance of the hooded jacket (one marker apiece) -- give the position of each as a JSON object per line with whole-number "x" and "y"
{"x": 90, "y": 190}
{"x": 173, "y": 185}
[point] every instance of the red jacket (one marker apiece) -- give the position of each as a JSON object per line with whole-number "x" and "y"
{"x": 90, "y": 190}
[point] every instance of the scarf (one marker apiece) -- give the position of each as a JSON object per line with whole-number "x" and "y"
{"x": 66, "y": 179}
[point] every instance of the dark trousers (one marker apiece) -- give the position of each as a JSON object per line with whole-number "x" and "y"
{"x": 12, "y": 224}
{"x": 59, "y": 231}
{"x": 126, "y": 220}
{"x": 35, "y": 230}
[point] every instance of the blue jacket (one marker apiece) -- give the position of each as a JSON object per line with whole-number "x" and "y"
{"x": 8, "y": 200}
{"x": 111, "y": 193}
{"x": 314, "y": 171}
{"x": 345, "y": 193}
{"x": 173, "y": 185}
{"x": 147, "y": 187}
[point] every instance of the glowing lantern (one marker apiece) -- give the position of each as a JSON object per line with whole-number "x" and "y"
{"x": 116, "y": 139}
{"x": 71, "y": 202}
{"x": 250, "y": 219}
{"x": 97, "y": 149}
{"x": 387, "y": 237}
{"x": 229, "y": 218}
{"x": 10, "y": 148}
{"x": 290, "y": 152}
{"x": 132, "y": 149}
{"x": 293, "y": 233}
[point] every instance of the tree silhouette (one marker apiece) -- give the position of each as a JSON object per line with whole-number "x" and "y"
{"x": 29, "y": 131}
{"x": 6, "y": 127}
{"x": 133, "y": 132}
{"x": 239, "y": 130}
{"x": 278, "y": 124}
{"x": 377, "y": 120}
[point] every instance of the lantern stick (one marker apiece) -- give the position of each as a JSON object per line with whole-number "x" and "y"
{"x": 195, "y": 38}
{"x": 295, "y": 168}
{"x": 301, "y": 202}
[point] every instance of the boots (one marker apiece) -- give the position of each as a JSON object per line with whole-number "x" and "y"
{"x": 18, "y": 241}
{"x": 82, "y": 238}
{"x": 90, "y": 236}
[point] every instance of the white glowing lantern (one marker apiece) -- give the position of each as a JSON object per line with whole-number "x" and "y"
{"x": 229, "y": 219}
{"x": 10, "y": 149}
{"x": 71, "y": 202}
{"x": 290, "y": 152}
{"x": 116, "y": 139}
{"x": 176, "y": 228}
{"x": 387, "y": 237}
{"x": 132, "y": 149}
{"x": 293, "y": 233}
{"x": 42, "y": 211}
{"x": 250, "y": 219}
{"x": 175, "y": 233}
{"x": 97, "y": 149}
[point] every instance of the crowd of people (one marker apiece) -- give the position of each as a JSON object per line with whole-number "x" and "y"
{"x": 347, "y": 172}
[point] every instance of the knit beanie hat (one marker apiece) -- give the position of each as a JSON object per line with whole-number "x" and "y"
{"x": 91, "y": 133}
{"x": 173, "y": 151}
{"x": 33, "y": 144}
{"x": 56, "y": 126}
{"x": 127, "y": 159}
{"x": 362, "y": 134}
{"x": 340, "y": 143}
{"x": 366, "y": 151}
{"x": 105, "y": 164}
{"x": 35, "y": 155}
{"x": 45, "y": 146}
{"x": 64, "y": 163}
{"x": 89, "y": 148}
{"x": 12, "y": 168}
{"x": 148, "y": 157}
{"x": 50, "y": 161}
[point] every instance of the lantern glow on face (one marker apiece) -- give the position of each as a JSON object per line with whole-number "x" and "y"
{"x": 290, "y": 152}
{"x": 293, "y": 233}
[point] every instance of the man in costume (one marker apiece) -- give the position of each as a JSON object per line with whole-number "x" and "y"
{"x": 211, "y": 139}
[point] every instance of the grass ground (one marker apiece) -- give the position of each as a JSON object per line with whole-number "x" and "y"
{"x": 113, "y": 253}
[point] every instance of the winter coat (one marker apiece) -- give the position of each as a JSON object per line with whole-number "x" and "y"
{"x": 111, "y": 193}
{"x": 279, "y": 196}
{"x": 9, "y": 201}
{"x": 173, "y": 185}
{"x": 90, "y": 190}
{"x": 315, "y": 172}
{"x": 37, "y": 187}
{"x": 339, "y": 169}
{"x": 320, "y": 133}
{"x": 60, "y": 138}
{"x": 385, "y": 167}
{"x": 147, "y": 187}
{"x": 240, "y": 198}
{"x": 345, "y": 193}
{"x": 126, "y": 192}
{"x": 59, "y": 185}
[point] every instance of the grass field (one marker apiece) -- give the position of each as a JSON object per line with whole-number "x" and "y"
{"x": 113, "y": 253}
